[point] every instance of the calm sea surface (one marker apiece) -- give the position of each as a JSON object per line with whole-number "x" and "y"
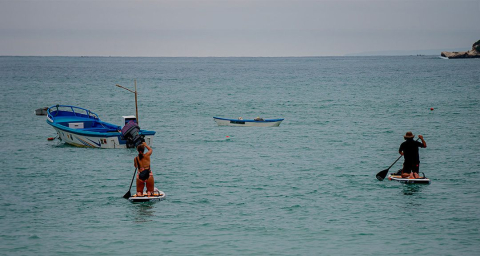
{"x": 307, "y": 187}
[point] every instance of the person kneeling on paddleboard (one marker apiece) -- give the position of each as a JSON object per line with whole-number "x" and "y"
{"x": 409, "y": 150}
{"x": 144, "y": 174}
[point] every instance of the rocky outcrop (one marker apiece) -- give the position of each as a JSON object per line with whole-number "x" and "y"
{"x": 473, "y": 53}
{"x": 461, "y": 55}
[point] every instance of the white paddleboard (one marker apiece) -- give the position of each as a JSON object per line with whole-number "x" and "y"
{"x": 409, "y": 181}
{"x": 157, "y": 196}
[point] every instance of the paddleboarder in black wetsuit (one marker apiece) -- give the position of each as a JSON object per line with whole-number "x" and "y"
{"x": 409, "y": 150}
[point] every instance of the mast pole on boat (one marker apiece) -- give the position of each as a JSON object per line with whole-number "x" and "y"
{"x": 136, "y": 106}
{"x": 135, "y": 92}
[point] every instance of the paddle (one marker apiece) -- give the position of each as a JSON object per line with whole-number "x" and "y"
{"x": 381, "y": 175}
{"x": 128, "y": 194}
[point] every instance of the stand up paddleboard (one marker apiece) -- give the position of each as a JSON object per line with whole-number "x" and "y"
{"x": 157, "y": 196}
{"x": 399, "y": 178}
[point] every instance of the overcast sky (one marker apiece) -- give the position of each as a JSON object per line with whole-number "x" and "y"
{"x": 234, "y": 27}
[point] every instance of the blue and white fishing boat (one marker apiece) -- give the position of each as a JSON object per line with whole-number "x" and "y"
{"x": 83, "y": 128}
{"x": 258, "y": 122}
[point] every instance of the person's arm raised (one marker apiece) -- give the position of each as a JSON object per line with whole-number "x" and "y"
{"x": 149, "y": 152}
{"x": 423, "y": 141}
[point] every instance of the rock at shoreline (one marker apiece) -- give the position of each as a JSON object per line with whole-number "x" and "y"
{"x": 473, "y": 53}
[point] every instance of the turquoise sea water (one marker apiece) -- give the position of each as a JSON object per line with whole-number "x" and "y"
{"x": 307, "y": 187}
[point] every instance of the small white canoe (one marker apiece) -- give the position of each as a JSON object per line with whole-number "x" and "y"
{"x": 157, "y": 196}
{"x": 247, "y": 122}
{"x": 399, "y": 178}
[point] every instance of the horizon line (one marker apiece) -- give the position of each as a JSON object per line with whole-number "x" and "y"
{"x": 305, "y": 56}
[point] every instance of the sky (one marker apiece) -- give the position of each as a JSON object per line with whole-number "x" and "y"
{"x": 243, "y": 28}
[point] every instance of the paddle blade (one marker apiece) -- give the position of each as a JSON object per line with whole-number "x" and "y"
{"x": 127, "y": 195}
{"x": 381, "y": 175}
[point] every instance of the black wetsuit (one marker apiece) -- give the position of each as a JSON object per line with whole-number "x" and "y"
{"x": 410, "y": 154}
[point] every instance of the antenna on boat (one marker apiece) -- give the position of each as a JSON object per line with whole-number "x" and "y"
{"x": 135, "y": 92}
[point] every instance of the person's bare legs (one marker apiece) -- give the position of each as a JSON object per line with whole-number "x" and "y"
{"x": 140, "y": 187}
{"x": 150, "y": 185}
{"x": 413, "y": 175}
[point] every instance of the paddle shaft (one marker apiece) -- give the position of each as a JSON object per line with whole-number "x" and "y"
{"x": 381, "y": 175}
{"x": 395, "y": 162}
{"x": 131, "y": 183}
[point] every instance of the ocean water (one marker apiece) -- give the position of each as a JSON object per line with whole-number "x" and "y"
{"x": 307, "y": 187}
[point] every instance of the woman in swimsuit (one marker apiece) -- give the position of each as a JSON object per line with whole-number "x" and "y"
{"x": 142, "y": 163}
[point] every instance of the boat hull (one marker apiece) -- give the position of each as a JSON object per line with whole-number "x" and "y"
{"x": 82, "y": 128}
{"x": 81, "y": 140}
{"x": 247, "y": 123}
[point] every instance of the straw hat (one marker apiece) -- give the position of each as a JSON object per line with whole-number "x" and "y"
{"x": 409, "y": 135}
